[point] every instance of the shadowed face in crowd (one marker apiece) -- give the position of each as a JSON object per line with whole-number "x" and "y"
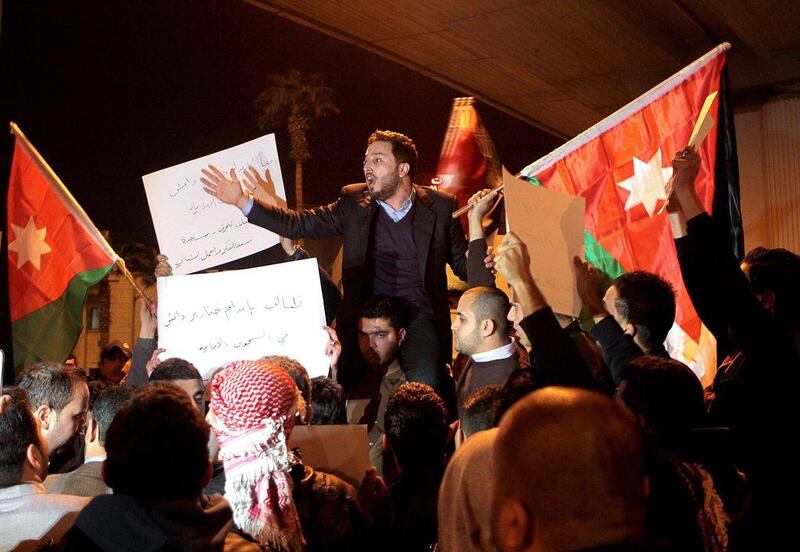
{"x": 379, "y": 341}
{"x": 112, "y": 366}
{"x": 195, "y": 389}
{"x": 515, "y": 317}
{"x": 60, "y": 427}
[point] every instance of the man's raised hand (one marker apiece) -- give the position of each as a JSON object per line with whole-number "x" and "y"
{"x": 262, "y": 188}
{"x": 589, "y": 283}
{"x": 511, "y": 259}
{"x": 227, "y": 189}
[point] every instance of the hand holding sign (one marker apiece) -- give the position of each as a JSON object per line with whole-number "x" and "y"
{"x": 705, "y": 122}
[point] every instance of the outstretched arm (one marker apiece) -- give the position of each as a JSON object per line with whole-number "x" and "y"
{"x": 317, "y": 223}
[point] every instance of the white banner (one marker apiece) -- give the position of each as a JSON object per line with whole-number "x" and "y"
{"x": 197, "y": 231}
{"x": 213, "y": 319}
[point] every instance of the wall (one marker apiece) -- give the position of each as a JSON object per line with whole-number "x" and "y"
{"x": 769, "y": 165}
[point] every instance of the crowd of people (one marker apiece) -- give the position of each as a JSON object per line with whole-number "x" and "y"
{"x": 541, "y": 435}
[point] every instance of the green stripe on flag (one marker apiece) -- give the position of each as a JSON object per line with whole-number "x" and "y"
{"x": 601, "y": 259}
{"x": 51, "y": 332}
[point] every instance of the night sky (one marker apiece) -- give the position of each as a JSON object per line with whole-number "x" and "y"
{"x": 109, "y": 91}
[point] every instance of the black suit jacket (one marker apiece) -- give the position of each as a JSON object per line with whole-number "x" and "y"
{"x": 439, "y": 239}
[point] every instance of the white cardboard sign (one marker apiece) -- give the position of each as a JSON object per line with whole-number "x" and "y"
{"x": 197, "y": 231}
{"x": 213, "y": 319}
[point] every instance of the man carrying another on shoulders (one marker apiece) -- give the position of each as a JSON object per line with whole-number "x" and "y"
{"x": 398, "y": 237}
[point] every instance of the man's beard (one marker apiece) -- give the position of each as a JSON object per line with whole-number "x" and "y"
{"x": 391, "y": 184}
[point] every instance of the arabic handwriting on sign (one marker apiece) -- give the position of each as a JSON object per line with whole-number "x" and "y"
{"x": 186, "y": 183}
{"x": 239, "y": 343}
{"x": 215, "y": 251}
{"x": 196, "y": 206}
{"x": 173, "y": 317}
{"x": 246, "y": 342}
{"x": 295, "y": 303}
{"x": 258, "y": 160}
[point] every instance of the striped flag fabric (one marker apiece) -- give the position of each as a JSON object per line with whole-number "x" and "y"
{"x": 55, "y": 253}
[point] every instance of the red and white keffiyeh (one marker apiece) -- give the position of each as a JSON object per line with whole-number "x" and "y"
{"x": 253, "y": 406}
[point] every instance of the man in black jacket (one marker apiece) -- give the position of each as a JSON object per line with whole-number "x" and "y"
{"x": 398, "y": 237}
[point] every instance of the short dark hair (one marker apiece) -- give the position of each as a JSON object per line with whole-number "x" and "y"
{"x": 648, "y": 302}
{"x": 417, "y": 426}
{"x": 175, "y": 368}
{"x": 18, "y": 429}
{"x": 157, "y": 446}
{"x": 492, "y": 304}
{"x": 50, "y": 384}
{"x": 105, "y": 400}
{"x": 666, "y": 394}
{"x": 520, "y": 382}
{"x": 403, "y": 148}
{"x": 478, "y": 411}
{"x": 298, "y": 372}
{"x": 778, "y": 271}
{"x": 393, "y": 309}
{"x": 327, "y": 402}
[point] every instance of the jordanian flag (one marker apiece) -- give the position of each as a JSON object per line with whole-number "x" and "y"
{"x": 55, "y": 254}
{"x": 621, "y": 166}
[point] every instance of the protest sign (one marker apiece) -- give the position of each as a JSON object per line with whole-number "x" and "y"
{"x": 341, "y": 450}
{"x": 550, "y": 224}
{"x": 213, "y": 319}
{"x": 197, "y": 231}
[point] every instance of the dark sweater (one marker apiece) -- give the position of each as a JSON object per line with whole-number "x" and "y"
{"x": 479, "y": 374}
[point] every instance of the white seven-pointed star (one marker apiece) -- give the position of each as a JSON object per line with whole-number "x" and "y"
{"x": 29, "y": 244}
{"x": 648, "y": 183}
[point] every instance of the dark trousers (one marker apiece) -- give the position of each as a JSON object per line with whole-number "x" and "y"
{"x": 423, "y": 358}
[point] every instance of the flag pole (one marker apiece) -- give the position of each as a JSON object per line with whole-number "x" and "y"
{"x": 120, "y": 262}
{"x": 75, "y": 209}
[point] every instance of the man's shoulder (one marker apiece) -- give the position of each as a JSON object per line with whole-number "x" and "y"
{"x": 431, "y": 196}
{"x": 43, "y": 501}
{"x": 86, "y": 480}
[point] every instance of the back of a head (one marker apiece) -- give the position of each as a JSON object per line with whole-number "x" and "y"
{"x": 104, "y": 403}
{"x": 393, "y": 309}
{"x": 574, "y": 459}
{"x": 416, "y": 425}
{"x": 50, "y": 384}
{"x": 18, "y": 430}
{"x": 327, "y": 402}
{"x": 490, "y": 303}
{"x": 778, "y": 271}
{"x": 479, "y": 408}
{"x": 157, "y": 446}
{"x": 666, "y": 394}
{"x": 648, "y": 302}
{"x": 175, "y": 368}
{"x": 465, "y": 497}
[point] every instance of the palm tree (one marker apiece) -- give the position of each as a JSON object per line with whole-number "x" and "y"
{"x": 295, "y": 99}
